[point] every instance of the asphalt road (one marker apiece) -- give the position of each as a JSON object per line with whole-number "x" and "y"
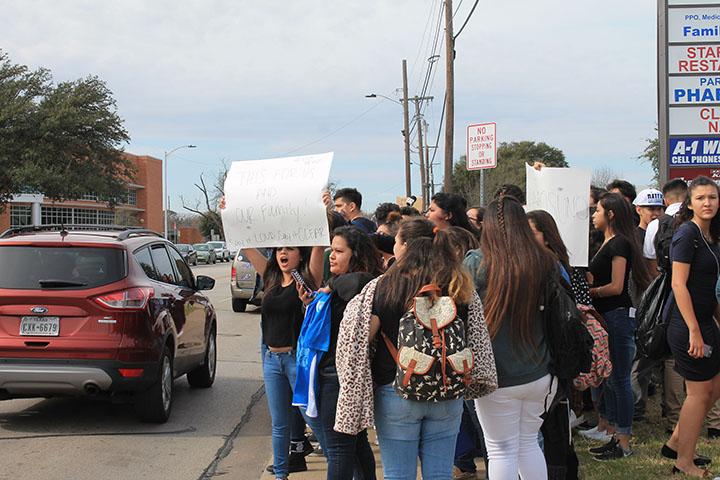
{"x": 218, "y": 432}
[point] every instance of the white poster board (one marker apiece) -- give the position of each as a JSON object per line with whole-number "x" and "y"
{"x": 563, "y": 193}
{"x": 277, "y": 202}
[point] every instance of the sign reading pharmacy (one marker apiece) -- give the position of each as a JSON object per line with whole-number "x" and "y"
{"x": 694, "y": 90}
{"x": 694, "y": 151}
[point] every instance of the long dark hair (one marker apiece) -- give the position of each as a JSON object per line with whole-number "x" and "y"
{"x": 686, "y": 213}
{"x": 427, "y": 259}
{"x": 622, "y": 225}
{"x": 456, "y": 206}
{"x": 545, "y": 223}
{"x": 365, "y": 257}
{"x": 273, "y": 276}
{"x": 517, "y": 269}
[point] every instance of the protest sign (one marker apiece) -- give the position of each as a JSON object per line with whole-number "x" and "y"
{"x": 277, "y": 202}
{"x": 564, "y": 194}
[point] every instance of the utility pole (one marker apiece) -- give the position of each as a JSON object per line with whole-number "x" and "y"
{"x": 449, "y": 95}
{"x": 421, "y": 154}
{"x": 406, "y": 130}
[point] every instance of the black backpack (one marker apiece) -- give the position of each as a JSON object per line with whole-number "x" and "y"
{"x": 433, "y": 358}
{"x": 663, "y": 239}
{"x": 568, "y": 340}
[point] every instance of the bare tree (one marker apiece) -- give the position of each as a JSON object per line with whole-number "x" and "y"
{"x": 210, "y": 216}
{"x": 601, "y": 176}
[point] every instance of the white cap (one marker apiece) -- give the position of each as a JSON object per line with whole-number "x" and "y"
{"x": 649, "y": 198}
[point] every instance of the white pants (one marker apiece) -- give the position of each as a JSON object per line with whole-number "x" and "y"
{"x": 510, "y": 419}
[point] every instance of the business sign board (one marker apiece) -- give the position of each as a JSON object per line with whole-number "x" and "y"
{"x": 694, "y": 90}
{"x": 694, "y": 120}
{"x": 689, "y": 174}
{"x": 694, "y": 24}
{"x": 481, "y": 146}
{"x": 692, "y": 2}
{"x": 694, "y": 151}
{"x": 691, "y": 59}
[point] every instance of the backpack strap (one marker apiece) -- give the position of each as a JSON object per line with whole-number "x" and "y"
{"x": 391, "y": 348}
{"x": 430, "y": 288}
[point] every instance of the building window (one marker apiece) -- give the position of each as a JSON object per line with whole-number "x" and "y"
{"x": 89, "y": 197}
{"x": 56, "y": 216}
{"x": 85, "y": 216}
{"x": 132, "y": 197}
{"x": 106, "y": 217}
{"x": 20, "y": 215}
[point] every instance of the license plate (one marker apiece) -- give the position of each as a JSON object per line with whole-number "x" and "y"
{"x": 40, "y": 326}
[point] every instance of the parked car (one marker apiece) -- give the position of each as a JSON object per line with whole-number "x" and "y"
{"x": 204, "y": 253}
{"x": 102, "y": 313}
{"x": 245, "y": 284}
{"x": 188, "y": 253}
{"x": 221, "y": 251}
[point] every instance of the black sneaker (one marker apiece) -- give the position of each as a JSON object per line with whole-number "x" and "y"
{"x": 616, "y": 453}
{"x": 604, "y": 448}
{"x": 296, "y": 464}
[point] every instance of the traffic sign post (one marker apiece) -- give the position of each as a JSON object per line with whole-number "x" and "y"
{"x": 482, "y": 150}
{"x": 689, "y": 88}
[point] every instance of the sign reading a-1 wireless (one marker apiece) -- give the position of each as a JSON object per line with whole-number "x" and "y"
{"x": 694, "y": 151}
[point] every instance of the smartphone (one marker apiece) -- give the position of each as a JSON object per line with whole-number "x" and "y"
{"x": 707, "y": 350}
{"x": 301, "y": 281}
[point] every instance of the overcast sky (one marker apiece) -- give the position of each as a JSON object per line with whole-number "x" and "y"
{"x": 252, "y": 79}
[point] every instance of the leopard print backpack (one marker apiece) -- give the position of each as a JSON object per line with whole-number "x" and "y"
{"x": 432, "y": 354}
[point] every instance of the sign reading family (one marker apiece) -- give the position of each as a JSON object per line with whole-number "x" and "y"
{"x": 277, "y": 202}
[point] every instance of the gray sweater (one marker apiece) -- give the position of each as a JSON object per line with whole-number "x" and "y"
{"x": 516, "y": 365}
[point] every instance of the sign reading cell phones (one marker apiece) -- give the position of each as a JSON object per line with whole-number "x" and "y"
{"x": 481, "y": 146}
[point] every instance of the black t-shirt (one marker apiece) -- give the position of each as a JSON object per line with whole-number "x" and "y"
{"x": 641, "y": 234}
{"x": 688, "y": 246}
{"x": 601, "y": 269}
{"x": 344, "y": 287}
{"x": 383, "y": 365}
{"x": 282, "y": 316}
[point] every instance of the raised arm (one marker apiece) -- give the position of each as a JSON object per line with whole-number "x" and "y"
{"x": 317, "y": 264}
{"x": 258, "y": 260}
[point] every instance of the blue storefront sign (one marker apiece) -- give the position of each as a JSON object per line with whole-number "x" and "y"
{"x": 694, "y": 151}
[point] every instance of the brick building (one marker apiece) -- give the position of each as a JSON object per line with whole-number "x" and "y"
{"x": 143, "y": 205}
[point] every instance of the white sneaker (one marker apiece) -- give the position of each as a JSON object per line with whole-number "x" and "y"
{"x": 575, "y": 421}
{"x": 594, "y": 434}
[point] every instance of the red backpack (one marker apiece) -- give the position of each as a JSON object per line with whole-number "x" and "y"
{"x": 601, "y": 366}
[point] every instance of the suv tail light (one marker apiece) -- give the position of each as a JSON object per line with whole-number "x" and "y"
{"x": 135, "y": 298}
{"x": 233, "y": 274}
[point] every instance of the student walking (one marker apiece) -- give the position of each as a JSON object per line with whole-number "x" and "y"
{"x": 610, "y": 269}
{"x": 510, "y": 270}
{"x": 409, "y": 428}
{"x": 692, "y": 332}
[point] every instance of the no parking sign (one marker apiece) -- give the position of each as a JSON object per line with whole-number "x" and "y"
{"x": 481, "y": 146}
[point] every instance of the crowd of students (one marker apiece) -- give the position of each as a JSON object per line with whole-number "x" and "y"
{"x": 477, "y": 278}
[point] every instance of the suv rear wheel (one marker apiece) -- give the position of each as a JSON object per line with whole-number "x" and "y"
{"x": 204, "y": 375}
{"x": 155, "y": 404}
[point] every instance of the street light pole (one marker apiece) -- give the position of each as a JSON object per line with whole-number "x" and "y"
{"x": 167, "y": 193}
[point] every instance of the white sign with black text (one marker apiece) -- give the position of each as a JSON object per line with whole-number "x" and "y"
{"x": 481, "y": 146}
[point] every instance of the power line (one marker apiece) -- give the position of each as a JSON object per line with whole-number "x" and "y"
{"x": 422, "y": 40}
{"x": 336, "y": 130}
{"x": 466, "y": 20}
{"x": 442, "y": 116}
{"x": 458, "y": 8}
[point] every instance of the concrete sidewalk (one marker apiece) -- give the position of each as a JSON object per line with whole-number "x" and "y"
{"x": 317, "y": 466}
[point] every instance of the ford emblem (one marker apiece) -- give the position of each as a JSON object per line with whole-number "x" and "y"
{"x": 39, "y": 310}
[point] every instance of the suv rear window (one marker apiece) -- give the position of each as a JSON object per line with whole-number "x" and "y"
{"x": 33, "y": 268}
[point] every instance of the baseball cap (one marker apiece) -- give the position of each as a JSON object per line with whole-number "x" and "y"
{"x": 649, "y": 197}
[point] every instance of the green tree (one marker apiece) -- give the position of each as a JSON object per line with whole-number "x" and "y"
{"x": 63, "y": 140}
{"x": 511, "y": 160}
{"x": 651, "y": 155}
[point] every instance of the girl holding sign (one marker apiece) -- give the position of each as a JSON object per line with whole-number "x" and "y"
{"x": 281, "y": 321}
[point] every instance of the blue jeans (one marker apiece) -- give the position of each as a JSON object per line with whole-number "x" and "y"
{"x": 279, "y": 377}
{"x": 348, "y": 456}
{"x": 618, "y": 397}
{"x": 407, "y": 430}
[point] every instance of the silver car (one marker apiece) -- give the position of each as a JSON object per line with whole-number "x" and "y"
{"x": 245, "y": 284}
{"x": 221, "y": 251}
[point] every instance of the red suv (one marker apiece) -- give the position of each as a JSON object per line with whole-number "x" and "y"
{"x": 102, "y": 313}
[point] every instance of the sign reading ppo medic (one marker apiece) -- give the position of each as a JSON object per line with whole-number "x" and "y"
{"x": 481, "y": 146}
